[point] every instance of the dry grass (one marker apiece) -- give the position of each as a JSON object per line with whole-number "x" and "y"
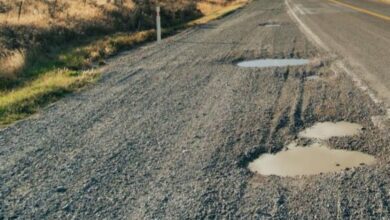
{"x": 12, "y": 19}
{"x": 214, "y": 10}
{"x": 208, "y": 7}
{"x": 55, "y": 78}
{"x": 211, "y": 6}
{"x": 26, "y": 100}
{"x": 36, "y": 13}
{"x": 84, "y": 57}
{"x": 12, "y": 64}
{"x": 112, "y": 44}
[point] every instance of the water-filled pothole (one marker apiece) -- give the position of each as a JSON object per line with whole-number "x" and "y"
{"x": 314, "y": 159}
{"x": 273, "y": 63}
{"x": 326, "y": 130}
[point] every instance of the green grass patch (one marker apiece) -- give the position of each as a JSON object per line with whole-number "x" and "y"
{"x": 19, "y": 103}
{"x": 52, "y": 76}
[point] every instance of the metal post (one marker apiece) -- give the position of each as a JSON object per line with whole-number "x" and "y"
{"x": 158, "y": 18}
{"x": 20, "y": 9}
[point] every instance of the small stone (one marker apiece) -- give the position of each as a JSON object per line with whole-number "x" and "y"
{"x": 67, "y": 207}
{"x": 61, "y": 189}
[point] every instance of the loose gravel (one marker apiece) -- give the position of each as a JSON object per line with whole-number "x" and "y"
{"x": 169, "y": 130}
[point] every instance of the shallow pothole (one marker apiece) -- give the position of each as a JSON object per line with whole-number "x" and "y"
{"x": 326, "y": 130}
{"x": 262, "y": 63}
{"x": 270, "y": 24}
{"x": 312, "y": 78}
{"x": 314, "y": 159}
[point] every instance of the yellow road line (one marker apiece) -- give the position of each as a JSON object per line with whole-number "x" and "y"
{"x": 365, "y": 11}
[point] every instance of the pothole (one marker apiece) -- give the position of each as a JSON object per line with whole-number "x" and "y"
{"x": 312, "y": 78}
{"x": 262, "y": 63}
{"x": 314, "y": 159}
{"x": 270, "y": 24}
{"x": 326, "y": 130}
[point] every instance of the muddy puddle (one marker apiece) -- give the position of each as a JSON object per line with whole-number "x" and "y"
{"x": 310, "y": 160}
{"x": 262, "y": 63}
{"x": 326, "y": 130}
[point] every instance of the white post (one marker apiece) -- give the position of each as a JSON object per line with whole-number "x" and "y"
{"x": 158, "y": 24}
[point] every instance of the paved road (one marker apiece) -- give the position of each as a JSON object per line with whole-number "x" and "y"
{"x": 358, "y": 31}
{"x": 169, "y": 130}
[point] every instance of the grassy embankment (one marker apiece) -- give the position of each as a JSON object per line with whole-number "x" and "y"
{"x": 69, "y": 69}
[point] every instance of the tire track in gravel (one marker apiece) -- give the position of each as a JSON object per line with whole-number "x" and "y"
{"x": 221, "y": 158}
{"x": 279, "y": 117}
{"x": 288, "y": 108}
{"x": 297, "y": 110}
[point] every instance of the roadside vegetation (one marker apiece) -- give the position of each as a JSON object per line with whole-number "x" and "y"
{"x": 50, "y": 48}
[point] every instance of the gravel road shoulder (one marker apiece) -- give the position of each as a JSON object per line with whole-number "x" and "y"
{"x": 169, "y": 130}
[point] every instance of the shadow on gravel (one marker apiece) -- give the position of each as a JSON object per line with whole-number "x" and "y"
{"x": 207, "y": 26}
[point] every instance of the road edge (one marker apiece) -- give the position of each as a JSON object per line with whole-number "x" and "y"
{"x": 340, "y": 66}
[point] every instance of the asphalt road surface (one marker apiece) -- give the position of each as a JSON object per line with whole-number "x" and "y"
{"x": 169, "y": 130}
{"x": 358, "y": 31}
